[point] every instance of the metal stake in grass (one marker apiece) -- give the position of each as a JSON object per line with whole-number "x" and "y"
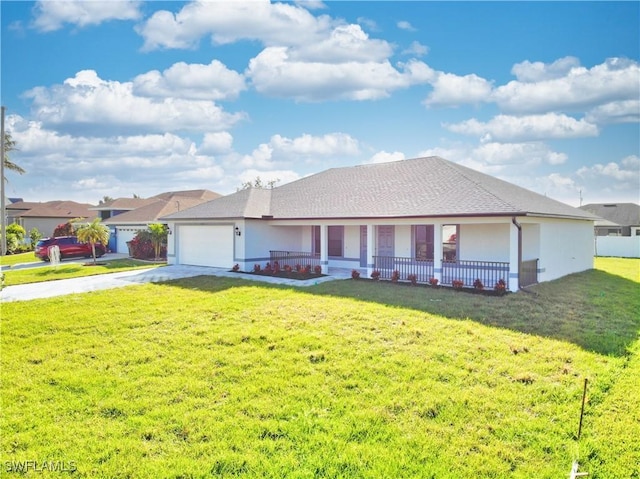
{"x": 574, "y": 468}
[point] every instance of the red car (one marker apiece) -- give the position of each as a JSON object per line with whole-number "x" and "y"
{"x": 69, "y": 247}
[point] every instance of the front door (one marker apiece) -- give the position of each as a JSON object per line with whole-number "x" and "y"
{"x": 386, "y": 245}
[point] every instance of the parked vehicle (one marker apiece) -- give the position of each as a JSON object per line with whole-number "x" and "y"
{"x": 69, "y": 247}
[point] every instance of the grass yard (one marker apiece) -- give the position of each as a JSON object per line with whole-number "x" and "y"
{"x": 73, "y": 270}
{"x": 219, "y": 377}
{"x": 13, "y": 259}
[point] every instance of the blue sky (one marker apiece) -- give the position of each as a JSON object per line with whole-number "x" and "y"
{"x": 125, "y": 97}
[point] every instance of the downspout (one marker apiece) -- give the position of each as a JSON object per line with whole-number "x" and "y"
{"x": 519, "y": 226}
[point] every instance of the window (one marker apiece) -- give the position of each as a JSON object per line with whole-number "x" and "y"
{"x": 423, "y": 242}
{"x": 450, "y": 242}
{"x": 335, "y": 238}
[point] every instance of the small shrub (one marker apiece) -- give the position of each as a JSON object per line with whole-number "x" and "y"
{"x": 298, "y": 268}
{"x": 395, "y": 276}
{"x": 433, "y": 282}
{"x": 413, "y": 279}
{"x": 355, "y": 274}
{"x": 375, "y": 274}
{"x": 267, "y": 268}
{"x": 34, "y": 236}
{"x": 288, "y": 268}
{"x": 477, "y": 284}
{"x": 457, "y": 283}
{"x": 236, "y": 267}
{"x": 317, "y": 269}
{"x": 64, "y": 229}
{"x": 256, "y": 268}
{"x": 276, "y": 267}
{"x": 307, "y": 269}
{"x": 501, "y": 286}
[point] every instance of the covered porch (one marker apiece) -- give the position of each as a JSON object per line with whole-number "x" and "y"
{"x": 488, "y": 250}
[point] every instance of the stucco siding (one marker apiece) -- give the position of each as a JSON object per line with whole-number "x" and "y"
{"x": 403, "y": 241}
{"x": 566, "y": 247}
{"x": 484, "y": 242}
{"x": 351, "y": 242}
{"x": 530, "y": 241}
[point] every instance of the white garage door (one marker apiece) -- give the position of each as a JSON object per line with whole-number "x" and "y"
{"x": 206, "y": 245}
{"x": 124, "y": 235}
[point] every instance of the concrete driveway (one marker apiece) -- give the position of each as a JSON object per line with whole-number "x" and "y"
{"x": 49, "y": 289}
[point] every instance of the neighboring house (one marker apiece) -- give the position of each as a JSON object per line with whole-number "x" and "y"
{"x": 119, "y": 206}
{"x": 617, "y": 230}
{"x": 426, "y": 216}
{"x": 125, "y": 224}
{"x": 46, "y": 216}
{"x": 617, "y": 219}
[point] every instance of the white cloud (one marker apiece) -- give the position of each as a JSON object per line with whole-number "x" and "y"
{"x": 385, "y": 157}
{"x": 580, "y": 88}
{"x": 416, "y": 49}
{"x": 537, "y": 71}
{"x": 345, "y": 43}
{"x": 88, "y": 103}
{"x": 227, "y": 22}
{"x": 273, "y": 72}
{"x": 628, "y": 170}
{"x": 453, "y": 90}
{"x": 627, "y": 111}
{"x": 191, "y": 81}
{"x": 214, "y": 143}
{"x": 52, "y": 15}
{"x": 531, "y": 153}
{"x": 522, "y": 128}
{"x": 404, "y": 25}
{"x": 305, "y": 148}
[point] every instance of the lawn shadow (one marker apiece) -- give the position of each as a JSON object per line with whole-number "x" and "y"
{"x": 595, "y": 310}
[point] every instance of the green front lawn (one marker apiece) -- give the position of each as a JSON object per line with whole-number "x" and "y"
{"x": 13, "y": 259}
{"x": 73, "y": 270}
{"x": 219, "y": 377}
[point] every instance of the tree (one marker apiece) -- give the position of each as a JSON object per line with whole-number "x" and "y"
{"x": 10, "y": 145}
{"x": 15, "y": 237}
{"x": 105, "y": 200}
{"x": 34, "y": 236}
{"x": 93, "y": 233}
{"x": 65, "y": 229}
{"x": 158, "y": 233}
{"x": 257, "y": 183}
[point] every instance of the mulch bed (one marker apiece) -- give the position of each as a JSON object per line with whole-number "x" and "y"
{"x": 300, "y": 276}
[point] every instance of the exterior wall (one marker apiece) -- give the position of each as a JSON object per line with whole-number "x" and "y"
{"x": 530, "y": 241}
{"x": 124, "y": 234}
{"x": 620, "y": 246}
{"x": 352, "y": 243}
{"x": 46, "y": 226}
{"x": 566, "y": 247}
{"x": 259, "y": 237}
{"x": 484, "y": 242}
{"x": 403, "y": 241}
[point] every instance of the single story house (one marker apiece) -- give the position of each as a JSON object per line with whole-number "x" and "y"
{"x": 616, "y": 219}
{"x": 426, "y": 216}
{"x": 124, "y": 224}
{"x": 46, "y": 216}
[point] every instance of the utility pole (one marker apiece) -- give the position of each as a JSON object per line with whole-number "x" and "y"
{"x": 3, "y": 209}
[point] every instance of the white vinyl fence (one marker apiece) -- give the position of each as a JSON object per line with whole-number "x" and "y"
{"x": 621, "y": 246}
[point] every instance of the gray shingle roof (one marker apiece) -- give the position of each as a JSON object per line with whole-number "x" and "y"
{"x": 623, "y": 214}
{"x": 422, "y": 187}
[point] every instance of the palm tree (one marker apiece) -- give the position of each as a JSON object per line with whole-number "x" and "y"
{"x": 10, "y": 145}
{"x": 158, "y": 236}
{"x": 93, "y": 233}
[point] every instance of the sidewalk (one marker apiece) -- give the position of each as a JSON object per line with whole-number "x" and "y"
{"x": 49, "y": 289}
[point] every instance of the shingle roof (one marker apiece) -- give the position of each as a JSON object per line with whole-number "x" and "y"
{"x": 123, "y": 204}
{"x": 155, "y": 210}
{"x": 622, "y": 214}
{"x": 57, "y": 209}
{"x": 422, "y": 187}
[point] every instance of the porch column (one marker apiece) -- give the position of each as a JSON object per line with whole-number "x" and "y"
{"x": 370, "y": 249}
{"x": 437, "y": 251}
{"x": 324, "y": 248}
{"x": 514, "y": 256}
